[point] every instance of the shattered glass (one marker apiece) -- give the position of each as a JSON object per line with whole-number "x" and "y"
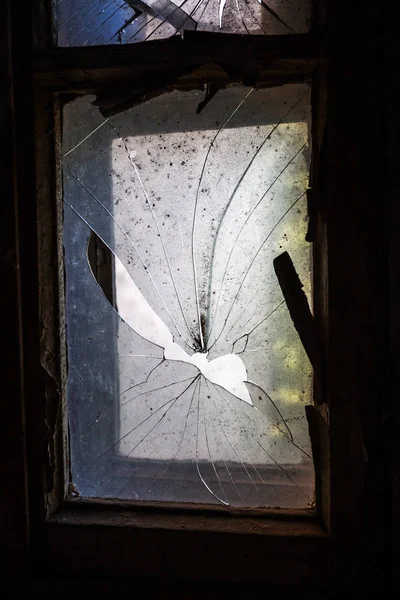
{"x": 187, "y": 381}
{"x": 101, "y": 22}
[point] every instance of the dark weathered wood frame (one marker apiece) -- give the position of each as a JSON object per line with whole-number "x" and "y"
{"x": 347, "y": 422}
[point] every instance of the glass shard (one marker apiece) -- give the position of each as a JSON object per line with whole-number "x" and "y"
{"x": 100, "y": 22}
{"x": 187, "y": 381}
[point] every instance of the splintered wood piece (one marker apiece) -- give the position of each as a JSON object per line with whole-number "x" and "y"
{"x": 299, "y": 310}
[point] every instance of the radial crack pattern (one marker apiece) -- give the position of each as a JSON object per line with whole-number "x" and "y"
{"x": 187, "y": 381}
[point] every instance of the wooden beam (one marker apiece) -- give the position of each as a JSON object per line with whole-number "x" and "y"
{"x": 227, "y": 58}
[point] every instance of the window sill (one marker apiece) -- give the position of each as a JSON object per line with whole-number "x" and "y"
{"x": 188, "y": 517}
{"x": 207, "y": 543}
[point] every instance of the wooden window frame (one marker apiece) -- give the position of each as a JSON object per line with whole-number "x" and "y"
{"x": 344, "y": 540}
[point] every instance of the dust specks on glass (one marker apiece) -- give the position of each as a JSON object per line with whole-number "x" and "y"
{"x": 100, "y": 22}
{"x": 187, "y": 381}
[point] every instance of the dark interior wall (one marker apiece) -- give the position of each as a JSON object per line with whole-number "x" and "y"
{"x": 14, "y": 525}
{"x": 389, "y": 49}
{"x": 13, "y": 494}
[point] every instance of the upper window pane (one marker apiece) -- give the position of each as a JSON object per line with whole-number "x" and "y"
{"x": 101, "y": 22}
{"x": 187, "y": 380}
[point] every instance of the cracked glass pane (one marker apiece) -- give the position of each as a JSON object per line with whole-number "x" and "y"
{"x": 187, "y": 381}
{"x": 100, "y": 22}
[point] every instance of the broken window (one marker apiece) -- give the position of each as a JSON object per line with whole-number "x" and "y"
{"x": 187, "y": 380}
{"x": 100, "y": 22}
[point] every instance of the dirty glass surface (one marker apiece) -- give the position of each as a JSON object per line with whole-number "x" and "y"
{"x": 100, "y": 22}
{"x": 187, "y": 380}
